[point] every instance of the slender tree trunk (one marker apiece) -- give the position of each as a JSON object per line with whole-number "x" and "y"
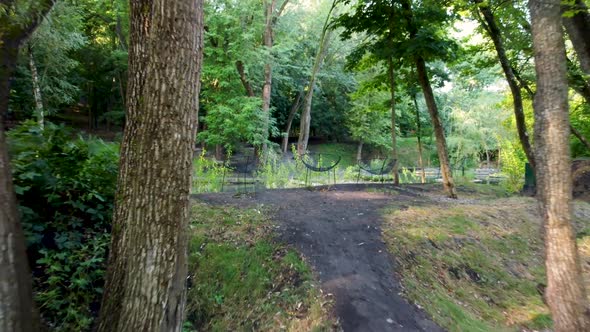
{"x": 391, "y": 76}
{"x": 496, "y": 35}
{"x": 439, "y": 133}
{"x": 36, "y": 90}
{"x": 294, "y": 108}
{"x": 305, "y": 122}
{"x": 419, "y": 137}
{"x": 578, "y": 27}
{"x": 565, "y": 292}
{"x": 359, "y": 150}
{"x": 269, "y": 9}
{"x": 145, "y": 282}
{"x": 244, "y": 79}
{"x": 218, "y": 152}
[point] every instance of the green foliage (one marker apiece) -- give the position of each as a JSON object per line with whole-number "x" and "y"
{"x": 51, "y": 47}
{"x": 513, "y": 163}
{"x": 234, "y": 120}
{"x": 369, "y": 118}
{"x": 279, "y": 173}
{"x": 65, "y": 187}
{"x": 580, "y": 119}
{"x": 208, "y": 174}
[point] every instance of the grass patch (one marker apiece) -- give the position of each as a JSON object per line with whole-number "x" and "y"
{"x": 345, "y": 150}
{"x": 242, "y": 280}
{"x": 478, "y": 267}
{"x": 407, "y": 152}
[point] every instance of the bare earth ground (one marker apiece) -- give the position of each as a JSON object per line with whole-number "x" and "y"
{"x": 338, "y": 230}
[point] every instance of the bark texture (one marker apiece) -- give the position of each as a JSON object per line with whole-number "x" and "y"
{"x": 493, "y": 30}
{"x": 17, "y": 310}
{"x": 145, "y": 283}
{"x": 565, "y": 292}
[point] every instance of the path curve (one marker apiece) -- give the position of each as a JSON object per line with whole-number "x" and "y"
{"x": 339, "y": 232}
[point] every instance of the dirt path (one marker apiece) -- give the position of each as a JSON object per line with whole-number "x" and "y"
{"x": 338, "y": 230}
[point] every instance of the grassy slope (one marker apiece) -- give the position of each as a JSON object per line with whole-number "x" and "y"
{"x": 407, "y": 151}
{"x": 344, "y": 150}
{"x": 242, "y": 280}
{"x": 477, "y": 266}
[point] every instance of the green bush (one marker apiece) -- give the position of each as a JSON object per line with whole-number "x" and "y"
{"x": 65, "y": 187}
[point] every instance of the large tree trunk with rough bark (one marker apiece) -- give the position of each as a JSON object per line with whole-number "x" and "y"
{"x": 145, "y": 283}
{"x": 17, "y": 309}
{"x": 577, "y": 25}
{"x": 565, "y": 292}
{"x": 493, "y": 30}
{"x": 439, "y": 133}
{"x": 391, "y": 76}
{"x": 305, "y": 122}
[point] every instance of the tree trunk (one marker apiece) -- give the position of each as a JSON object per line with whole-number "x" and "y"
{"x": 17, "y": 309}
{"x": 577, "y": 27}
{"x": 145, "y": 282}
{"x": 294, "y": 108}
{"x": 36, "y": 90}
{"x": 269, "y": 9}
{"x": 391, "y": 76}
{"x": 419, "y": 137}
{"x": 16, "y": 306}
{"x": 305, "y": 122}
{"x": 565, "y": 292}
{"x": 439, "y": 133}
{"x": 359, "y": 151}
{"x": 218, "y": 152}
{"x": 494, "y": 31}
{"x": 244, "y": 79}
